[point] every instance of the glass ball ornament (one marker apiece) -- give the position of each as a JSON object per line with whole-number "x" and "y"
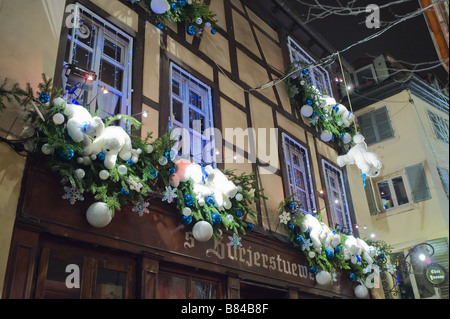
{"x": 104, "y": 175}
{"x": 199, "y": 20}
{"x": 307, "y": 110}
{"x": 44, "y": 97}
{"x": 202, "y": 231}
{"x": 213, "y": 31}
{"x": 191, "y": 30}
{"x": 216, "y": 218}
{"x": 187, "y": 211}
{"x": 208, "y": 25}
{"x": 189, "y": 200}
{"x": 346, "y": 138}
{"x": 58, "y": 119}
{"x": 323, "y": 278}
{"x": 149, "y": 148}
{"x": 66, "y": 153}
{"x": 46, "y": 149}
{"x": 122, "y": 169}
{"x": 312, "y": 269}
{"x": 361, "y": 292}
{"x": 163, "y": 161}
{"x": 329, "y": 253}
{"x": 239, "y": 197}
{"x": 99, "y": 215}
{"x": 326, "y": 136}
{"x": 229, "y": 218}
{"x": 186, "y": 220}
{"x": 80, "y": 173}
{"x": 160, "y": 6}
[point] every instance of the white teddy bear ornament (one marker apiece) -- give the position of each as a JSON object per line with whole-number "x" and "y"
{"x": 368, "y": 162}
{"x": 79, "y": 121}
{"x": 113, "y": 141}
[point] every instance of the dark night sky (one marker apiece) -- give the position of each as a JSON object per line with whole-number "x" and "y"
{"x": 409, "y": 41}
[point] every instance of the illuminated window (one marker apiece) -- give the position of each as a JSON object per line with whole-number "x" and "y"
{"x": 299, "y": 174}
{"x": 318, "y": 76}
{"x": 393, "y": 193}
{"x": 99, "y": 47}
{"x": 192, "y": 111}
{"x": 440, "y": 126}
{"x": 340, "y": 215}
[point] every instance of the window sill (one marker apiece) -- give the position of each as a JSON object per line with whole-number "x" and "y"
{"x": 396, "y": 211}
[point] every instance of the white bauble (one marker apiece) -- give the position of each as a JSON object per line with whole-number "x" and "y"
{"x": 159, "y": 6}
{"x": 104, "y": 175}
{"x": 99, "y": 215}
{"x": 326, "y": 136}
{"x": 202, "y": 231}
{"x": 46, "y": 149}
{"x": 80, "y": 173}
{"x": 361, "y": 292}
{"x": 58, "y": 119}
{"x": 149, "y": 148}
{"x": 323, "y": 278}
{"x": 122, "y": 169}
{"x": 239, "y": 197}
{"x": 208, "y": 25}
{"x": 347, "y": 138}
{"x": 187, "y": 211}
{"x": 307, "y": 110}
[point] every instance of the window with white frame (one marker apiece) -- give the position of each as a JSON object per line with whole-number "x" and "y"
{"x": 340, "y": 214}
{"x": 191, "y": 110}
{"x": 318, "y": 76}
{"x": 393, "y": 192}
{"x": 98, "y": 46}
{"x": 299, "y": 174}
{"x": 440, "y": 126}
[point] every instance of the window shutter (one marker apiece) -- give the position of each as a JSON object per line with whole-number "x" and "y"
{"x": 370, "y": 198}
{"x": 418, "y": 183}
{"x": 368, "y": 128}
{"x": 443, "y": 173}
{"x": 383, "y": 124}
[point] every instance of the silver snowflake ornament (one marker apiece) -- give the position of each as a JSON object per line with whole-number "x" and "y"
{"x": 285, "y": 217}
{"x": 72, "y": 194}
{"x": 169, "y": 194}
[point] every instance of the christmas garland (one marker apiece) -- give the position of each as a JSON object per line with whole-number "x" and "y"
{"x": 333, "y": 120}
{"x": 194, "y": 13}
{"x": 341, "y": 252}
{"x": 147, "y": 172}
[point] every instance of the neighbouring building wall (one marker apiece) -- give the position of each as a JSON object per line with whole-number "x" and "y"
{"x": 411, "y": 145}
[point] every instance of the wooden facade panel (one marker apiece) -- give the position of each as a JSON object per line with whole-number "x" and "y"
{"x": 243, "y": 33}
{"x": 151, "y": 75}
{"x": 217, "y": 48}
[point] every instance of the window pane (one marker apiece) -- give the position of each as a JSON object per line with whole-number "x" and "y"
{"x": 86, "y": 34}
{"x": 203, "y": 290}
{"x": 55, "y": 284}
{"x": 400, "y": 191}
{"x": 112, "y": 50}
{"x": 368, "y": 129}
{"x": 178, "y": 111}
{"x": 176, "y": 88}
{"x": 196, "y": 121}
{"x": 111, "y": 75}
{"x": 385, "y": 193}
{"x": 171, "y": 287}
{"x": 383, "y": 124}
{"x": 195, "y": 99}
{"x": 82, "y": 58}
{"x": 110, "y": 284}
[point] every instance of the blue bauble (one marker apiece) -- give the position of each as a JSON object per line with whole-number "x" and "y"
{"x": 124, "y": 191}
{"x": 172, "y": 170}
{"x": 153, "y": 172}
{"x": 101, "y": 156}
{"x": 250, "y": 226}
{"x": 382, "y": 256}
{"x": 210, "y": 201}
{"x": 309, "y": 102}
{"x": 186, "y": 220}
{"x": 191, "y": 30}
{"x": 299, "y": 239}
{"x": 329, "y": 253}
{"x": 292, "y": 206}
{"x": 312, "y": 269}
{"x": 216, "y": 218}
{"x": 44, "y": 97}
{"x": 189, "y": 200}
{"x": 213, "y": 31}
{"x": 291, "y": 226}
{"x": 239, "y": 213}
{"x": 337, "y": 250}
{"x": 160, "y": 26}
{"x": 352, "y": 277}
{"x": 130, "y": 162}
{"x": 182, "y": 3}
{"x": 305, "y": 71}
{"x": 173, "y": 5}
{"x": 66, "y": 153}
